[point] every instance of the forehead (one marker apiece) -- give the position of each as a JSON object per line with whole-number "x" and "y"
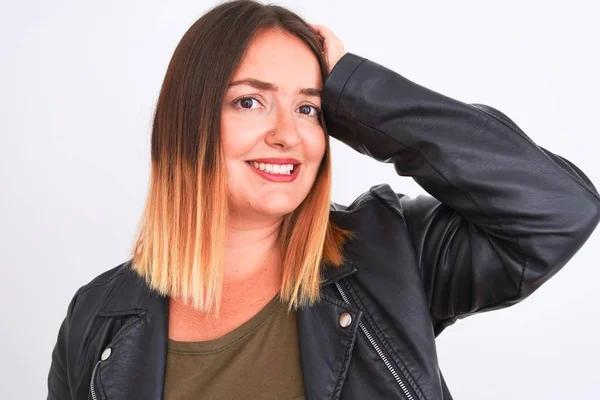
{"x": 280, "y": 58}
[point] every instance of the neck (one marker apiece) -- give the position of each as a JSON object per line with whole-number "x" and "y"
{"x": 252, "y": 276}
{"x": 250, "y": 251}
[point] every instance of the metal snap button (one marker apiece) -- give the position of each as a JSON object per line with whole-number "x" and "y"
{"x": 345, "y": 320}
{"x": 105, "y": 354}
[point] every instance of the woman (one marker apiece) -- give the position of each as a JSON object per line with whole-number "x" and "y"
{"x": 246, "y": 281}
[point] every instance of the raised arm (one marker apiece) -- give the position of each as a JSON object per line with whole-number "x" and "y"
{"x": 505, "y": 214}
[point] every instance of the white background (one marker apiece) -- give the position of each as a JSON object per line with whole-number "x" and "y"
{"x": 79, "y": 81}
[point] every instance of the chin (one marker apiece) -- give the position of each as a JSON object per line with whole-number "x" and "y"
{"x": 279, "y": 206}
{"x": 279, "y": 210}
{"x": 272, "y": 204}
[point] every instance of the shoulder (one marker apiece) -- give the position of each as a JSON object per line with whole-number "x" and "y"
{"x": 104, "y": 280}
{"x": 380, "y": 199}
{"x": 90, "y": 297}
{"x": 106, "y": 277}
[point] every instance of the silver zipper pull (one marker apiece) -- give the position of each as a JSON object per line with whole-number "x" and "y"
{"x": 105, "y": 355}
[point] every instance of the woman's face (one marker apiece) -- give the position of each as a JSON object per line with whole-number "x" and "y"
{"x": 271, "y": 111}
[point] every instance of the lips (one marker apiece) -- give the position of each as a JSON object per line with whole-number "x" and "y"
{"x": 276, "y": 177}
{"x": 276, "y": 161}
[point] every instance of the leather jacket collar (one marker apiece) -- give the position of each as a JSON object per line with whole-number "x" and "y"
{"x": 325, "y": 349}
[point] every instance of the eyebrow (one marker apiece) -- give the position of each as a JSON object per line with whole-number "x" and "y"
{"x": 262, "y": 85}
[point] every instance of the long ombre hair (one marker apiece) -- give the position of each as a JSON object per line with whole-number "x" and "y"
{"x": 179, "y": 246}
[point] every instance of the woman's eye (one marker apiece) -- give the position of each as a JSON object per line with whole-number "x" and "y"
{"x": 247, "y": 103}
{"x": 311, "y": 111}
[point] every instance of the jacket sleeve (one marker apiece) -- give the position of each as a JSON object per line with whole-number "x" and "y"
{"x": 505, "y": 214}
{"x": 58, "y": 382}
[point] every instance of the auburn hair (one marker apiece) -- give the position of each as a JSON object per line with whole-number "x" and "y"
{"x": 179, "y": 244}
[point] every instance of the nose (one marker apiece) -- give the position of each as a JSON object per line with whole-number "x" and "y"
{"x": 284, "y": 132}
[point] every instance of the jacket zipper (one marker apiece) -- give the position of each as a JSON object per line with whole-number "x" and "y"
{"x": 377, "y": 349}
{"x": 92, "y": 390}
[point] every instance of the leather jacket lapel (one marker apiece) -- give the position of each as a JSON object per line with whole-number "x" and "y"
{"x": 326, "y": 346}
{"x": 138, "y": 352}
{"x": 136, "y": 366}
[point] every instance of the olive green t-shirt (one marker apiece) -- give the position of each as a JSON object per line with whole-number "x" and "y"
{"x": 258, "y": 360}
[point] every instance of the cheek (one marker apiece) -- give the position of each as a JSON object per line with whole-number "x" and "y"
{"x": 228, "y": 136}
{"x": 315, "y": 144}
{"x": 237, "y": 138}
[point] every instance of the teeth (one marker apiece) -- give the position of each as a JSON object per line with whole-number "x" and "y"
{"x": 280, "y": 169}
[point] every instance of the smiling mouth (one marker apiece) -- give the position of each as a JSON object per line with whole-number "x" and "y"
{"x": 274, "y": 169}
{"x": 280, "y": 174}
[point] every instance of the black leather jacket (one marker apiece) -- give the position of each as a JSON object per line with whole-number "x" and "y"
{"x": 505, "y": 216}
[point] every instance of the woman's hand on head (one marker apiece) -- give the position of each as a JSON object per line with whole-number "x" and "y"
{"x": 332, "y": 45}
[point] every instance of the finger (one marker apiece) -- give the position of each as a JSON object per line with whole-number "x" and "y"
{"x": 321, "y": 30}
{"x": 315, "y": 27}
{"x": 324, "y": 42}
{"x": 324, "y": 34}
